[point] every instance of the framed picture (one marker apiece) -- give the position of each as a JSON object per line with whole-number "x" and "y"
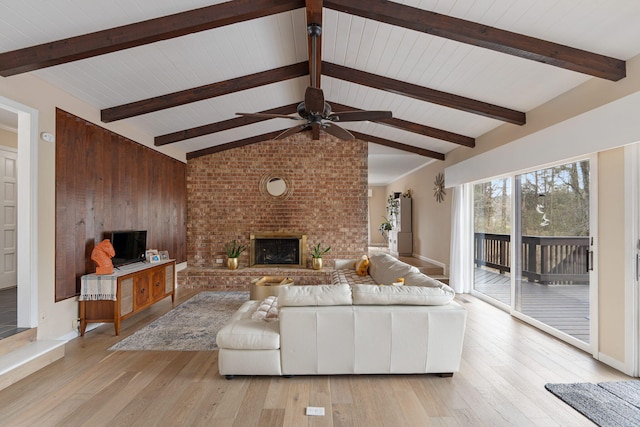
{"x": 164, "y": 255}
{"x": 155, "y": 258}
{"x": 148, "y": 255}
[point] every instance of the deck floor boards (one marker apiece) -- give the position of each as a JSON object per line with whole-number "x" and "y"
{"x": 563, "y": 307}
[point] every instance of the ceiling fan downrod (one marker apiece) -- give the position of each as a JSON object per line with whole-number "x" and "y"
{"x": 314, "y": 31}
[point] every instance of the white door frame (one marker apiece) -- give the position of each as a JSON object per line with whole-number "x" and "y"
{"x": 28, "y": 211}
{"x": 632, "y": 239}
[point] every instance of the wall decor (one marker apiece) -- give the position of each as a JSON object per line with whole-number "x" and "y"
{"x": 438, "y": 189}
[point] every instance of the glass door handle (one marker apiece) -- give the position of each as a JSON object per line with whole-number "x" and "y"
{"x": 589, "y": 260}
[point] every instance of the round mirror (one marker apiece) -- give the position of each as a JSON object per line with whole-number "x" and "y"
{"x": 276, "y": 186}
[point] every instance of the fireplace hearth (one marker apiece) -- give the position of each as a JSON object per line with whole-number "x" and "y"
{"x": 278, "y": 250}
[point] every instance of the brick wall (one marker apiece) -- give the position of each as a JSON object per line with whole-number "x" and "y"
{"x": 328, "y": 202}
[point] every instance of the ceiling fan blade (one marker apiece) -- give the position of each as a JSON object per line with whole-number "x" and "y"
{"x": 356, "y": 116}
{"x": 269, "y": 116}
{"x": 291, "y": 131}
{"x": 338, "y": 132}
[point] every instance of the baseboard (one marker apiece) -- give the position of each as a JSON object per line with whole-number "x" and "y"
{"x": 75, "y": 334}
{"x": 614, "y": 363}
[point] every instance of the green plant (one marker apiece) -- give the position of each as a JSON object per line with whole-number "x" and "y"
{"x": 234, "y": 249}
{"x": 317, "y": 252}
{"x": 385, "y": 227}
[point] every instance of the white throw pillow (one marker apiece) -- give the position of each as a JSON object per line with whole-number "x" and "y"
{"x": 401, "y": 295}
{"x": 315, "y": 295}
{"x": 267, "y": 310}
{"x": 386, "y": 269}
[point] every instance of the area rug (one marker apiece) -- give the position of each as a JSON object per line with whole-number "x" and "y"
{"x": 608, "y": 404}
{"x": 191, "y": 326}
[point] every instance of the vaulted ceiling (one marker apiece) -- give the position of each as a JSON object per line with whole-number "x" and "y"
{"x": 448, "y": 71}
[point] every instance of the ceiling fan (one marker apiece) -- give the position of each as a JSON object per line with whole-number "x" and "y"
{"x": 314, "y": 111}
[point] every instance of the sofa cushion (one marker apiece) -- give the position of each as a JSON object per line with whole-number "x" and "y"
{"x": 345, "y": 264}
{"x": 421, "y": 279}
{"x": 401, "y": 295}
{"x": 350, "y": 277}
{"x": 315, "y": 295}
{"x": 244, "y": 333}
{"x": 385, "y": 269}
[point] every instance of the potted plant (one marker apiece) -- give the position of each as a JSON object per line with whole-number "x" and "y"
{"x": 384, "y": 228}
{"x": 316, "y": 256}
{"x": 233, "y": 250}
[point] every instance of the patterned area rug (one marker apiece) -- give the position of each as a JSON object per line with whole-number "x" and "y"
{"x": 191, "y": 326}
{"x": 606, "y": 404}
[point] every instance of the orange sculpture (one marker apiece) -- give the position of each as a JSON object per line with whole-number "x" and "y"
{"x": 101, "y": 255}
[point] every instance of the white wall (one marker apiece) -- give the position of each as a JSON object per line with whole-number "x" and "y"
{"x": 617, "y": 125}
{"x": 56, "y": 319}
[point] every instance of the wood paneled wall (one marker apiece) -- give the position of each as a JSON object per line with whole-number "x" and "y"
{"x": 106, "y": 182}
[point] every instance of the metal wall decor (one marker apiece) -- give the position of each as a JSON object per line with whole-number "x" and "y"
{"x": 275, "y": 186}
{"x": 438, "y": 189}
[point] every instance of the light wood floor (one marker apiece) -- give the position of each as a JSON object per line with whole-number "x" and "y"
{"x": 501, "y": 383}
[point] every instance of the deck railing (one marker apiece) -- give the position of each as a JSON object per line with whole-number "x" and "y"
{"x": 544, "y": 259}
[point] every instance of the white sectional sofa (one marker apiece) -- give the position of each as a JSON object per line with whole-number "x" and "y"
{"x": 350, "y": 328}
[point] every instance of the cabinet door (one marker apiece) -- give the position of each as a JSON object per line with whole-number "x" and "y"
{"x": 126, "y": 296}
{"x": 170, "y": 278}
{"x": 157, "y": 283}
{"x": 141, "y": 290}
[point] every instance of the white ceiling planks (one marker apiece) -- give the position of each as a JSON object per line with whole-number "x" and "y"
{"x": 237, "y": 50}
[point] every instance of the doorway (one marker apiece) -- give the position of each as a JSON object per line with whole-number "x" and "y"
{"x": 533, "y": 254}
{"x": 26, "y": 223}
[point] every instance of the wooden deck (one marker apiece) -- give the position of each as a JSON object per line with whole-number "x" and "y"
{"x": 563, "y": 307}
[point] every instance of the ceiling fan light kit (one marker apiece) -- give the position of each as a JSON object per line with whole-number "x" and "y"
{"x": 315, "y": 111}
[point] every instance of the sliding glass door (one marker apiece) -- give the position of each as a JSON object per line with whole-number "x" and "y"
{"x": 492, "y": 239}
{"x": 553, "y": 228}
{"x": 532, "y": 248}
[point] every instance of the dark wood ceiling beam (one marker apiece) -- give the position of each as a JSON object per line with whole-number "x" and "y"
{"x": 203, "y": 92}
{"x": 484, "y": 36}
{"x": 235, "y": 144}
{"x": 424, "y": 94}
{"x": 208, "y": 129}
{"x": 399, "y": 146}
{"x": 272, "y": 135}
{"x": 429, "y": 131}
{"x": 140, "y": 33}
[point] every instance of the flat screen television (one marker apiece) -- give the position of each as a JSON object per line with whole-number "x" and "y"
{"x": 129, "y": 246}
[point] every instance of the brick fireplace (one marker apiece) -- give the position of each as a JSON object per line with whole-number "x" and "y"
{"x": 278, "y": 250}
{"x": 327, "y": 202}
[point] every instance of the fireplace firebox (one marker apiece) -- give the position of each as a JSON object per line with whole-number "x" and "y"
{"x": 278, "y": 250}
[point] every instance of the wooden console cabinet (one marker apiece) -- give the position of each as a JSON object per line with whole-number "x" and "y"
{"x": 138, "y": 286}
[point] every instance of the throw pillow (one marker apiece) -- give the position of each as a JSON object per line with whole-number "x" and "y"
{"x": 362, "y": 266}
{"x": 267, "y": 310}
